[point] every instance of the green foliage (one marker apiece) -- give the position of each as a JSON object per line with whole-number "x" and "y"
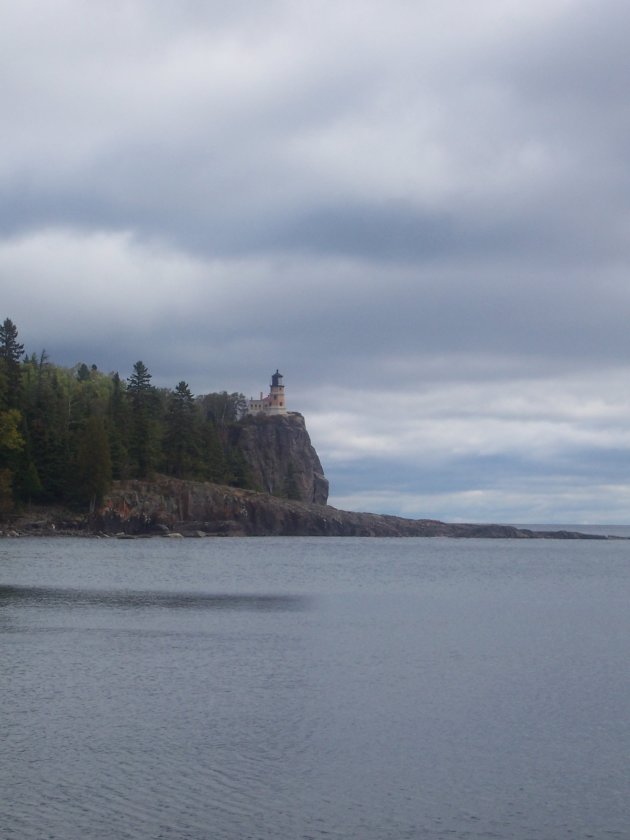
{"x": 10, "y": 354}
{"x": 119, "y": 421}
{"x": 139, "y": 382}
{"x": 6, "y": 492}
{"x": 216, "y": 467}
{"x": 83, "y": 373}
{"x": 66, "y": 433}
{"x": 11, "y": 444}
{"x": 10, "y": 437}
{"x": 222, "y": 409}
{"x": 144, "y": 432}
{"x": 93, "y": 465}
{"x": 28, "y": 485}
{"x": 239, "y": 472}
{"x": 182, "y": 438}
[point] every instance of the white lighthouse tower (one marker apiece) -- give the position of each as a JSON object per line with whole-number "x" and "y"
{"x": 276, "y": 394}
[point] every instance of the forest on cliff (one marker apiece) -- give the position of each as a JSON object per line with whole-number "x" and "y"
{"x": 66, "y": 433}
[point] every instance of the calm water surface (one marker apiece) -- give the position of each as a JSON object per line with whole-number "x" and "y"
{"x": 314, "y": 688}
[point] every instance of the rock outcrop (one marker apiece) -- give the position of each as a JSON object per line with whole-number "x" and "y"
{"x": 280, "y": 457}
{"x": 197, "y": 508}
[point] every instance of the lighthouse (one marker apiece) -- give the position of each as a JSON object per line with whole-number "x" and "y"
{"x": 276, "y": 394}
{"x": 274, "y": 402}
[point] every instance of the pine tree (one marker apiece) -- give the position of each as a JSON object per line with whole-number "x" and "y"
{"x": 83, "y": 372}
{"x": 10, "y": 355}
{"x": 27, "y": 482}
{"x": 215, "y": 464}
{"x": 119, "y": 421}
{"x": 11, "y": 444}
{"x": 93, "y": 467}
{"x": 182, "y": 439}
{"x": 239, "y": 471}
{"x": 48, "y": 411}
{"x": 143, "y": 436}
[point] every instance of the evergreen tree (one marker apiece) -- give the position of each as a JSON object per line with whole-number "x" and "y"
{"x": 119, "y": 421}
{"x": 37, "y": 419}
{"x": 93, "y": 466}
{"x": 143, "y": 432}
{"x": 10, "y": 354}
{"x": 27, "y": 482}
{"x": 239, "y": 471}
{"x": 139, "y": 384}
{"x": 215, "y": 464}
{"x": 83, "y": 372}
{"x": 11, "y": 443}
{"x": 66, "y": 433}
{"x": 3, "y": 387}
{"x": 10, "y": 437}
{"x": 181, "y": 438}
{"x": 49, "y": 413}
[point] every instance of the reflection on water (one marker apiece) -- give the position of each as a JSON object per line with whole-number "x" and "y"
{"x": 67, "y": 598}
{"x": 314, "y": 689}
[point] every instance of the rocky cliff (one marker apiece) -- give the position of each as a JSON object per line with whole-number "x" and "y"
{"x": 282, "y": 462}
{"x": 169, "y": 505}
{"x": 280, "y": 457}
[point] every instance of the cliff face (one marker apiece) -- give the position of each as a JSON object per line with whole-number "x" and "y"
{"x": 282, "y": 461}
{"x": 198, "y": 508}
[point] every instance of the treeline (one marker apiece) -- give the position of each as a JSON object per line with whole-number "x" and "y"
{"x": 66, "y": 433}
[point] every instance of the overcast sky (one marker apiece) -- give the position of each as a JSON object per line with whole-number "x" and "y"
{"x": 418, "y": 210}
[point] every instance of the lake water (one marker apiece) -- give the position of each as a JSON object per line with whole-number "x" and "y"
{"x": 314, "y": 688}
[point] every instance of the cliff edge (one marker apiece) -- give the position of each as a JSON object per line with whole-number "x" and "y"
{"x": 280, "y": 458}
{"x": 194, "y": 508}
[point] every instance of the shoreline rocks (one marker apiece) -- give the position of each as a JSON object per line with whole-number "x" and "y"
{"x": 173, "y": 508}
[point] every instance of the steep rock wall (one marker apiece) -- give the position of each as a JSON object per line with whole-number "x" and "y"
{"x": 197, "y": 508}
{"x": 281, "y": 459}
